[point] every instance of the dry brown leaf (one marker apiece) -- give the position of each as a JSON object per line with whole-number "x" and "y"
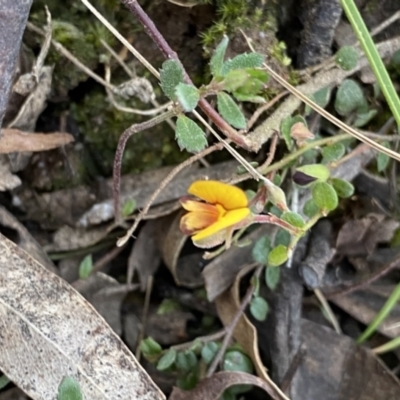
{"x": 185, "y": 270}
{"x": 145, "y": 257}
{"x": 228, "y": 305}
{"x": 48, "y": 331}
{"x": 212, "y": 388}
{"x": 334, "y": 367}
{"x": 14, "y": 140}
{"x": 360, "y": 237}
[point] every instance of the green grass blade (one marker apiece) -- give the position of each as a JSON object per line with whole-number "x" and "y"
{"x": 383, "y": 313}
{"x": 374, "y": 59}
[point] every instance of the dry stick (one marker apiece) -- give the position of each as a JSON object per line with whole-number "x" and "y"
{"x": 162, "y": 44}
{"x": 395, "y": 263}
{"x": 328, "y": 310}
{"x": 202, "y": 339}
{"x": 164, "y": 183}
{"x": 120, "y": 151}
{"x": 231, "y": 327}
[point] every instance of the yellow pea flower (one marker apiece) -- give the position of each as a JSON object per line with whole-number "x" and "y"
{"x": 224, "y": 208}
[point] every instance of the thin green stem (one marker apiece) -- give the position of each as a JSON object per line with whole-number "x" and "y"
{"x": 383, "y": 313}
{"x": 374, "y": 59}
{"x": 389, "y": 346}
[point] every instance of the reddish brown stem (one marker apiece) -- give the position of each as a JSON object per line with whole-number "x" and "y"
{"x": 162, "y": 44}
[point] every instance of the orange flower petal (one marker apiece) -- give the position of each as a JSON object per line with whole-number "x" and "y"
{"x": 230, "y": 218}
{"x": 193, "y": 205}
{"x": 193, "y": 222}
{"x": 214, "y": 192}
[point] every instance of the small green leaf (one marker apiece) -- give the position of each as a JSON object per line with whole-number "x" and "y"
{"x": 272, "y": 277}
{"x": 69, "y": 389}
{"x": 347, "y": 58}
{"x": 230, "y": 111}
{"x": 317, "y": 171}
{"x": 188, "y": 381}
{"x": 235, "y": 360}
{"x": 349, "y": 97}
{"x": 261, "y": 250}
{"x": 234, "y": 80}
{"x": 343, "y": 188}
{"x": 362, "y": 118}
{"x": 333, "y": 152}
{"x": 167, "y": 306}
{"x": 277, "y": 256}
{"x": 310, "y": 208}
{"x": 189, "y": 135}
{"x": 209, "y": 351}
{"x": 241, "y": 61}
{"x": 321, "y": 97}
{"x": 149, "y": 347}
{"x": 259, "y": 308}
{"x": 218, "y": 57}
{"x": 186, "y": 360}
{"x": 188, "y": 96}
{"x": 86, "y": 267}
{"x": 325, "y": 196}
{"x": 129, "y": 207}
{"x": 167, "y": 360}
{"x": 282, "y": 237}
{"x": 293, "y": 219}
{"x": 382, "y": 160}
{"x": 171, "y": 74}
{"x": 249, "y": 98}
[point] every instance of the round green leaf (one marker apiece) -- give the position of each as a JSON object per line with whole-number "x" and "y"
{"x": 347, "y": 58}
{"x": 128, "y": 207}
{"x": 209, "y": 351}
{"x": 86, "y": 267}
{"x": 167, "y": 360}
{"x": 272, "y": 277}
{"x": 310, "y": 208}
{"x": 259, "y": 308}
{"x": 277, "y": 256}
{"x": 230, "y": 111}
{"x": 293, "y": 219}
{"x": 349, "y": 97}
{"x": 149, "y": 347}
{"x": 186, "y": 360}
{"x": 325, "y": 196}
{"x": 234, "y": 80}
{"x": 317, "y": 171}
{"x": 343, "y": 188}
{"x": 261, "y": 250}
{"x": 69, "y": 389}
{"x": 282, "y": 237}
{"x": 189, "y": 135}
{"x": 188, "y": 96}
{"x": 235, "y": 360}
{"x": 333, "y": 152}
